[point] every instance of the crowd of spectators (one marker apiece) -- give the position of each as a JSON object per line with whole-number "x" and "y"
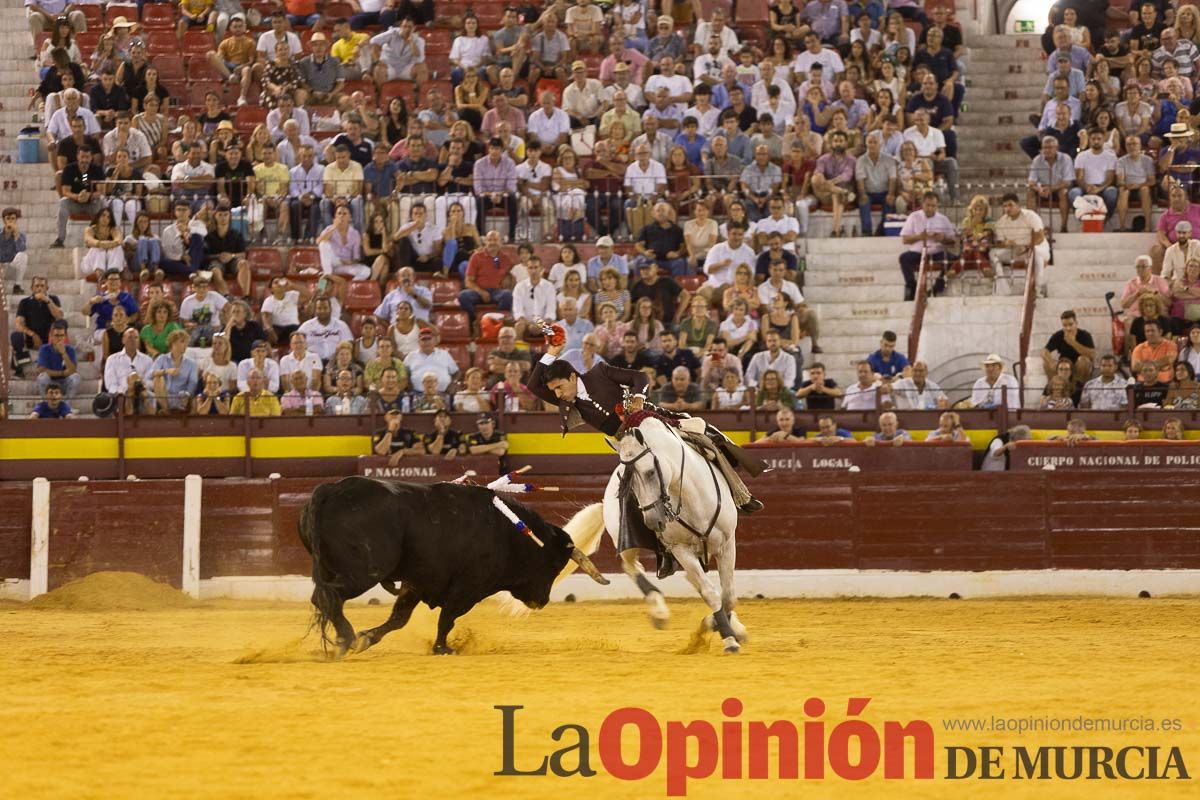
{"x": 704, "y": 145}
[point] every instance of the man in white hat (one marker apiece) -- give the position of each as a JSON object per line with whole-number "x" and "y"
{"x": 996, "y": 386}
{"x": 1177, "y": 164}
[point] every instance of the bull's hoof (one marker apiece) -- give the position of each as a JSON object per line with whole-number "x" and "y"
{"x": 443, "y": 650}
{"x": 731, "y": 645}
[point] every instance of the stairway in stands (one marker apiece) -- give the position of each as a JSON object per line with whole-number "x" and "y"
{"x": 856, "y": 286}
{"x": 1085, "y": 267}
{"x": 1006, "y": 77}
{"x": 34, "y": 195}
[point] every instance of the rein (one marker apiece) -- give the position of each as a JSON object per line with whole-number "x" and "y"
{"x": 664, "y": 497}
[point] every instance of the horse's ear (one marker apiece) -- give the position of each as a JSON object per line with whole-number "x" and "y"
{"x": 611, "y": 442}
{"x": 637, "y": 433}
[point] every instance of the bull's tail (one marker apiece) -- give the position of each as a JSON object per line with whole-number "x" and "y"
{"x": 325, "y": 595}
{"x": 586, "y": 529}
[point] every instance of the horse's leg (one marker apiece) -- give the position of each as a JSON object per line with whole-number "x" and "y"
{"x": 659, "y": 613}
{"x": 695, "y": 574}
{"x": 726, "y": 559}
{"x": 406, "y": 601}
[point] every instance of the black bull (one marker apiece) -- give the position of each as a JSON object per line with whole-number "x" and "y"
{"x": 445, "y": 544}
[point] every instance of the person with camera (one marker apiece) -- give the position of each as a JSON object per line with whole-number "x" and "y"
{"x": 125, "y": 371}
{"x": 35, "y": 314}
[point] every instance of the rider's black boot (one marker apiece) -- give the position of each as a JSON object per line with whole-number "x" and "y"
{"x": 752, "y": 505}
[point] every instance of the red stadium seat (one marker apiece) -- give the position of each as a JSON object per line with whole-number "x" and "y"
{"x": 690, "y": 283}
{"x": 366, "y": 87}
{"x": 302, "y": 258}
{"x": 87, "y": 41}
{"x": 461, "y": 353}
{"x": 445, "y": 292}
{"x": 197, "y": 90}
{"x": 437, "y": 41}
{"x": 752, "y": 12}
{"x": 363, "y": 296}
{"x": 248, "y": 118}
{"x": 113, "y": 10}
{"x": 265, "y": 263}
{"x": 170, "y": 68}
{"x": 198, "y": 69}
{"x": 392, "y": 89}
{"x": 158, "y": 16}
{"x": 95, "y": 17}
{"x": 337, "y": 9}
{"x": 197, "y": 42}
{"x": 455, "y": 326}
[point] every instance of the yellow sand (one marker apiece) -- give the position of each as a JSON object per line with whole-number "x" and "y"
{"x": 154, "y": 704}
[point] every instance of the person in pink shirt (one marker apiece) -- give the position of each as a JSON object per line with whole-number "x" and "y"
{"x": 1145, "y": 282}
{"x": 618, "y": 53}
{"x": 1178, "y": 210}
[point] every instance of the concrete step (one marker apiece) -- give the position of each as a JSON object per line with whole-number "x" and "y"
{"x": 855, "y": 294}
{"x": 882, "y": 274}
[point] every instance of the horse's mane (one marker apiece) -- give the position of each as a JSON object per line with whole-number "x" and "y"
{"x": 635, "y": 419}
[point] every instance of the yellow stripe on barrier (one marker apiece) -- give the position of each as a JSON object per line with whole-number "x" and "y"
{"x": 170, "y": 447}
{"x": 310, "y": 446}
{"x": 529, "y": 444}
{"x": 51, "y": 449}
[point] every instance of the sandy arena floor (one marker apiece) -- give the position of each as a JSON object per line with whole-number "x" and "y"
{"x": 153, "y": 704}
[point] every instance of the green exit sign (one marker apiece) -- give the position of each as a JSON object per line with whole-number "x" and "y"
{"x": 1026, "y": 26}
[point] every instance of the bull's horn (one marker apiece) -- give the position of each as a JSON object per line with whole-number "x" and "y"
{"x": 585, "y": 564}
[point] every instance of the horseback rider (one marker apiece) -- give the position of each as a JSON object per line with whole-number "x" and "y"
{"x": 598, "y": 398}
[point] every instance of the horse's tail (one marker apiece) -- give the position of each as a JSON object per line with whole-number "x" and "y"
{"x": 586, "y": 529}
{"x": 324, "y": 596}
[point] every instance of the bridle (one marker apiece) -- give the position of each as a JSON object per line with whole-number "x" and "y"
{"x": 664, "y": 496}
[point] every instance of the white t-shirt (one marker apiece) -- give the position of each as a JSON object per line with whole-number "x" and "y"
{"x": 548, "y": 130}
{"x": 470, "y": 51}
{"x": 323, "y": 339}
{"x": 767, "y": 292}
{"x": 184, "y": 170}
{"x": 784, "y": 225}
{"x": 926, "y": 145}
{"x": 1096, "y": 166}
{"x": 558, "y": 274}
{"x": 674, "y": 84}
{"x": 310, "y": 363}
{"x": 283, "y": 312}
{"x": 732, "y": 331}
{"x": 720, "y": 252}
{"x": 645, "y": 181}
{"x": 830, "y": 61}
{"x": 213, "y": 301}
{"x": 266, "y": 44}
{"x": 859, "y": 399}
{"x": 527, "y": 172}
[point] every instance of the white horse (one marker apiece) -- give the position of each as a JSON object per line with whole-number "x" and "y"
{"x": 685, "y": 500}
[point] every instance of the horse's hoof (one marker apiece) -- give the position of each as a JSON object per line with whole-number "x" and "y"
{"x": 659, "y": 613}
{"x": 361, "y": 643}
{"x": 731, "y": 645}
{"x": 709, "y": 623}
{"x": 340, "y": 652}
{"x": 739, "y": 630}
{"x": 443, "y": 650}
